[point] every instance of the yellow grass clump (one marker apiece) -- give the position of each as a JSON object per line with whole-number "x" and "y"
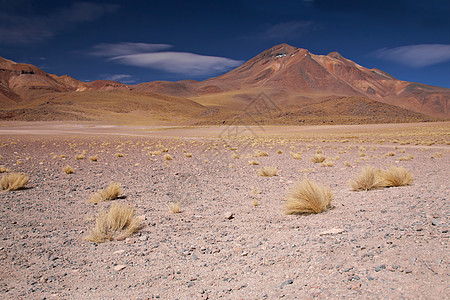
{"x": 390, "y": 154}
{"x": 329, "y": 163}
{"x": 79, "y": 156}
{"x": 14, "y": 181}
{"x": 260, "y": 153}
{"x": 308, "y": 197}
{"x": 437, "y": 155}
{"x": 68, "y": 170}
{"x": 297, "y": 155}
{"x": 154, "y": 153}
{"x": 174, "y": 208}
{"x": 279, "y": 151}
{"x": 368, "y": 179}
{"x": 235, "y": 156}
{"x": 318, "y": 158}
{"x": 3, "y": 169}
{"x": 406, "y": 158}
{"x": 93, "y": 158}
{"x": 396, "y": 176}
{"x": 119, "y": 155}
{"x": 267, "y": 171}
{"x": 188, "y": 154}
{"x": 116, "y": 224}
{"x": 168, "y": 157}
{"x": 253, "y": 162}
{"x": 112, "y": 192}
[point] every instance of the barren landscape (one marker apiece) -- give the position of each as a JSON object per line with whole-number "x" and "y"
{"x": 232, "y": 238}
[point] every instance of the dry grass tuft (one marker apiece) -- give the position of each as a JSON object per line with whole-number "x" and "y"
{"x": 79, "y": 156}
{"x": 368, "y": 179}
{"x": 318, "y": 158}
{"x": 437, "y": 155}
{"x": 168, "y": 157}
{"x": 347, "y": 164}
{"x": 14, "y": 181}
{"x": 119, "y": 155}
{"x": 297, "y": 155}
{"x": 93, "y": 158}
{"x": 174, "y": 208}
{"x": 112, "y": 192}
{"x": 253, "y": 162}
{"x": 329, "y": 163}
{"x": 280, "y": 152}
{"x": 68, "y": 170}
{"x": 259, "y": 153}
{"x": 267, "y": 171}
{"x": 255, "y": 202}
{"x": 3, "y": 169}
{"x": 390, "y": 154}
{"x": 188, "y": 154}
{"x": 396, "y": 176}
{"x": 154, "y": 153}
{"x": 117, "y": 224}
{"x": 308, "y": 197}
{"x": 406, "y": 158}
{"x": 235, "y": 156}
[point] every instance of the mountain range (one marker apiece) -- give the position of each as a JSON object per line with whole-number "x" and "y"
{"x": 300, "y": 88}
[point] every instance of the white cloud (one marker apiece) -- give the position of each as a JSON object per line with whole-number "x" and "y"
{"x": 24, "y": 29}
{"x": 120, "y": 49}
{"x": 179, "y": 62}
{"x": 287, "y": 30}
{"x": 416, "y": 55}
{"x": 124, "y": 78}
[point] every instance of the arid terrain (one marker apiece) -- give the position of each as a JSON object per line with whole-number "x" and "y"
{"x": 232, "y": 239}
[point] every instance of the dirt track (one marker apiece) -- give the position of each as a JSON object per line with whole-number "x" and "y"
{"x": 394, "y": 242}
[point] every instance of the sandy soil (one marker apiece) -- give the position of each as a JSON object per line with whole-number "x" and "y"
{"x": 393, "y": 242}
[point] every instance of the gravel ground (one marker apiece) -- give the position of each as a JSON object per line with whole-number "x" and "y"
{"x": 390, "y": 243}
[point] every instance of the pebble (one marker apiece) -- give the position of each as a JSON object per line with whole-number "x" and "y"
{"x": 143, "y": 238}
{"x": 228, "y": 215}
{"x": 332, "y": 231}
{"x": 289, "y": 281}
{"x": 119, "y": 267}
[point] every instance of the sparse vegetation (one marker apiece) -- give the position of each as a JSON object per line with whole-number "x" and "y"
{"x": 253, "y": 162}
{"x": 188, "y": 154}
{"x": 318, "y": 158}
{"x": 79, "y": 156}
{"x": 117, "y": 224}
{"x": 308, "y": 197}
{"x": 329, "y": 163}
{"x": 390, "y": 154}
{"x": 267, "y": 171}
{"x": 167, "y": 157}
{"x": 112, "y": 192}
{"x": 368, "y": 179}
{"x": 406, "y": 158}
{"x": 68, "y": 170}
{"x": 14, "y": 181}
{"x": 437, "y": 155}
{"x": 174, "y": 208}
{"x": 119, "y": 154}
{"x": 3, "y": 169}
{"x": 396, "y": 176}
{"x": 235, "y": 156}
{"x": 259, "y": 153}
{"x": 297, "y": 155}
{"x": 279, "y": 151}
{"x": 93, "y": 158}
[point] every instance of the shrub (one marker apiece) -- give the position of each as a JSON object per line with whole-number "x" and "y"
{"x": 396, "y": 176}
{"x": 267, "y": 171}
{"x": 112, "y": 192}
{"x": 253, "y": 162}
{"x": 318, "y": 158}
{"x": 167, "y": 157}
{"x": 297, "y": 155}
{"x": 308, "y": 197}
{"x": 14, "y": 181}
{"x": 174, "y": 207}
{"x": 68, "y": 170}
{"x": 117, "y": 224}
{"x": 368, "y": 179}
{"x": 329, "y": 163}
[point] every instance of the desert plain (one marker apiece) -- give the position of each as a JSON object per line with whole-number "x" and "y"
{"x": 231, "y": 238}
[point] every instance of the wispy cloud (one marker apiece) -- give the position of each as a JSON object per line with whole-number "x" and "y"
{"x": 287, "y": 30}
{"x": 415, "y": 56}
{"x": 147, "y": 56}
{"x": 119, "y": 49}
{"x": 23, "y": 29}
{"x": 124, "y": 78}
{"x": 179, "y": 62}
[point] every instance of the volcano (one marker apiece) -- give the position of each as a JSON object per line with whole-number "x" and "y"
{"x": 303, "y": 85}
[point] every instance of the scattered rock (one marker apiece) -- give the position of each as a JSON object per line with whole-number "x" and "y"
{"x": 332, "y": 231}
{"x": 119, "y": 267}
{"x": 228, "y": 215}
{"x": 287, "y": 282}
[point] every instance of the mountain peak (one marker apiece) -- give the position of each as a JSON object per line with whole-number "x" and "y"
{"x": 335, "y": 55}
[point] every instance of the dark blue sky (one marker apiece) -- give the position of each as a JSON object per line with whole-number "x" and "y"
{"x": 137, "y": 41}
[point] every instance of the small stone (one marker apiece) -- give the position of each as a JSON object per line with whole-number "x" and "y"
{"x": 244, "y": 253}
{"x": 289, "y": 281}
{"x": 228, "y": 215}
{"x": 143, "y": 238}
{"x": 435, "y": 222}
{"x": 119, "y": 252}
{"x": 408, "y": 271}
{"x": 370, "y": 278}
{"x": 119, "y": 267}
{"x": 332, "y": 231}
